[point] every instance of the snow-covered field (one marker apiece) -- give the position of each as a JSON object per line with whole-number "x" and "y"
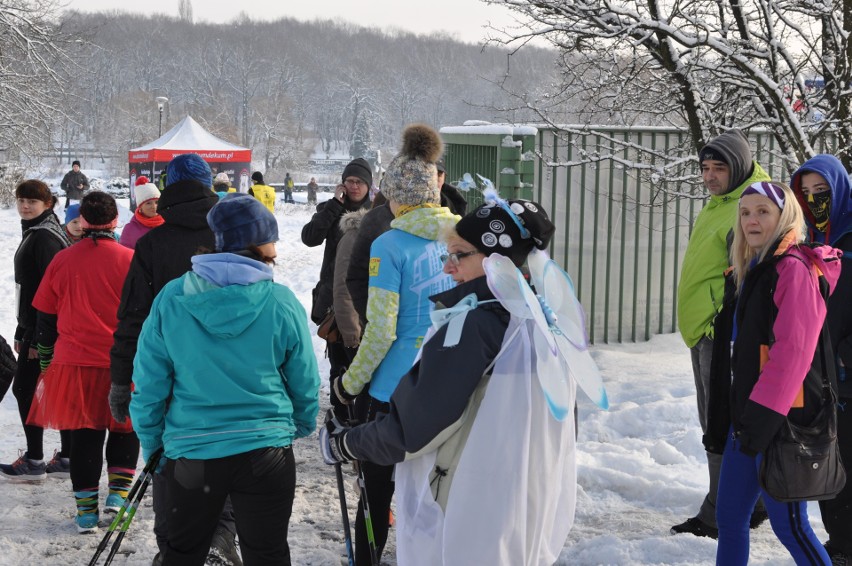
{"x": 641, "y": 464}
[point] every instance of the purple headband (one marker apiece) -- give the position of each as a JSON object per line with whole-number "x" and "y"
{"x": 767, "y": 189}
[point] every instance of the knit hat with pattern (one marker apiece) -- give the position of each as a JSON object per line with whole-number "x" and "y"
{"x": 412, "y": 177}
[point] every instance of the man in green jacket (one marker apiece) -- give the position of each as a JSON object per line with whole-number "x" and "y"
{"x": 727, "y": 169}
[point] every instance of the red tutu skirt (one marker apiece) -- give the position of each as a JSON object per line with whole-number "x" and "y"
{"x": 71, "y": 397}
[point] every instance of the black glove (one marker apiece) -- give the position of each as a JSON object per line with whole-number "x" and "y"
{"x": 332, "y": 440}
{"x": 119, "y": 402}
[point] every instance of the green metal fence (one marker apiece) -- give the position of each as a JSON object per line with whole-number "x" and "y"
{"x": 621, "y": 231}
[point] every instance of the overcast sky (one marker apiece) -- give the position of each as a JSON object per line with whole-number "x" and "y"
{"x": 462, "y": 19}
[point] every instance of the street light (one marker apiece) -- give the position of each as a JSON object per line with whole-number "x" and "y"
{"x": 161, "y": 101}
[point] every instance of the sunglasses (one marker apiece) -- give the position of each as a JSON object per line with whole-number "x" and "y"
{"x": 455, "y": 259}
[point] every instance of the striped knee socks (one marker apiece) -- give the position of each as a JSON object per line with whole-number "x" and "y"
{"x": 120, "y": 480}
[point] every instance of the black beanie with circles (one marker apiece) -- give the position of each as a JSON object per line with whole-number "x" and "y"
{"x": 493, "y": 229}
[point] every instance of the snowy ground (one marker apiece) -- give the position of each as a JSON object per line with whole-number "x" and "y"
{"x": 641, "y": 464}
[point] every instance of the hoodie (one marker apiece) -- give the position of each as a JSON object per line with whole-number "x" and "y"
{"x": 840, "y": 218}
{"x": 838, "y": 234}
{"x": 226, "y": 364}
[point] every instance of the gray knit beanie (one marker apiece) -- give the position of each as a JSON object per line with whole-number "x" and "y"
{"x": 731, "y": 148}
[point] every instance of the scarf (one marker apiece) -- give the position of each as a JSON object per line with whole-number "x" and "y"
{"x": 146, "y": 221}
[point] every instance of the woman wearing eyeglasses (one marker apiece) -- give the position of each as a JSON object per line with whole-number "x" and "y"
{"x": 471, "y": 459}
{"x": 405, "y": 270}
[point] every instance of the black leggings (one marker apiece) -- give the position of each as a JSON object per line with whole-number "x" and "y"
{"x": 122, "y": 450}
{"x": 23, "y": 388}
{"x": 379, "y": 487}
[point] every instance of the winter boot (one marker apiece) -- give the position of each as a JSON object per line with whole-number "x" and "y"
{"x": 697, "y": 527}
{"x": 87, "y": 510}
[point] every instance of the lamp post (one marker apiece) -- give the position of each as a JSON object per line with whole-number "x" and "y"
{"x": 161, "y": 102}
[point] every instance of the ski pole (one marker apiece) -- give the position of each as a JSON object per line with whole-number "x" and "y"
{"x": 142, "y": 479}
{"x": 365, "y": 506}
{"x": 347, "y": 531}
{"x": 131, "y": 513}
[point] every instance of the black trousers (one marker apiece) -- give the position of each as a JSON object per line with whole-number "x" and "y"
{"x": 379, "y": 487}
{"x": 261, "y": 484}
{"x": 162, "y": 506}
{"x": 122, "y": 450}
{"x": 837, "y": 513}
{"x": 23, "y": 388}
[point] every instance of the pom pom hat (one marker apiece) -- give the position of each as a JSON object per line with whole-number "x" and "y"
{"x": 145, "y": 192}
{"x": 511, "y": 228}
{"x": 412, "y": 177}
{"x": 239, "y": 221}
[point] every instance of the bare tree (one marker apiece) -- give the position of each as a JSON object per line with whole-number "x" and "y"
{"x": 185, "y": 11}
{"x": 36, "y": 57}
{"x": 706, "y": 65}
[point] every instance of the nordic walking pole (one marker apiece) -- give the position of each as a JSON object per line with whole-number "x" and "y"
{"x": 347, "y": 531}
{"x": 143, "y": 477}
{"x": 131, "y": 513}
{"x": 365, "y": 505}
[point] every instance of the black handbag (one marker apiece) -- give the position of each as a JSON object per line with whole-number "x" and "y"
{"x": 802, "y": 463}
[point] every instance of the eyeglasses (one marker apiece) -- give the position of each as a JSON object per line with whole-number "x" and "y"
{"x": 355, "y": 182}
{"x": 455, "y": 259}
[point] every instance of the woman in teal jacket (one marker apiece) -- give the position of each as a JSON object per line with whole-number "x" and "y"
{"x": 225, "y": 378}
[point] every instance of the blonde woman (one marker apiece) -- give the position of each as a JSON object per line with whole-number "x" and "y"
{"x": 778, "y": 312}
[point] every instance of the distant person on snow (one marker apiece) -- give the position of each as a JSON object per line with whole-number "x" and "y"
{"x": 288, "y": 188}
{"x": 260, "y": 382}
{"x": 312, "y": 189}
{"x": 222, "y": 184}
{"x": 74, "y": 183}
{"x": 145, "y": 217}
{"x": 262, "y": 192}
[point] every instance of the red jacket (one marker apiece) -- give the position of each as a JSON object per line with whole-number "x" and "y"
{"x": 82, "y": 286}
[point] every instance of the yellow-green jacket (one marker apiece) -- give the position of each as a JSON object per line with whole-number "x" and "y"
{"x": 702, "y": 278}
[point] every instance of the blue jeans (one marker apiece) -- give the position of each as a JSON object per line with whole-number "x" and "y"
{"x": 738, "y": 492}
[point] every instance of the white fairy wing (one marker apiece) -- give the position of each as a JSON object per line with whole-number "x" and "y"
{"x": 558, "y": 291}
{"x": 509, "y": 287}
